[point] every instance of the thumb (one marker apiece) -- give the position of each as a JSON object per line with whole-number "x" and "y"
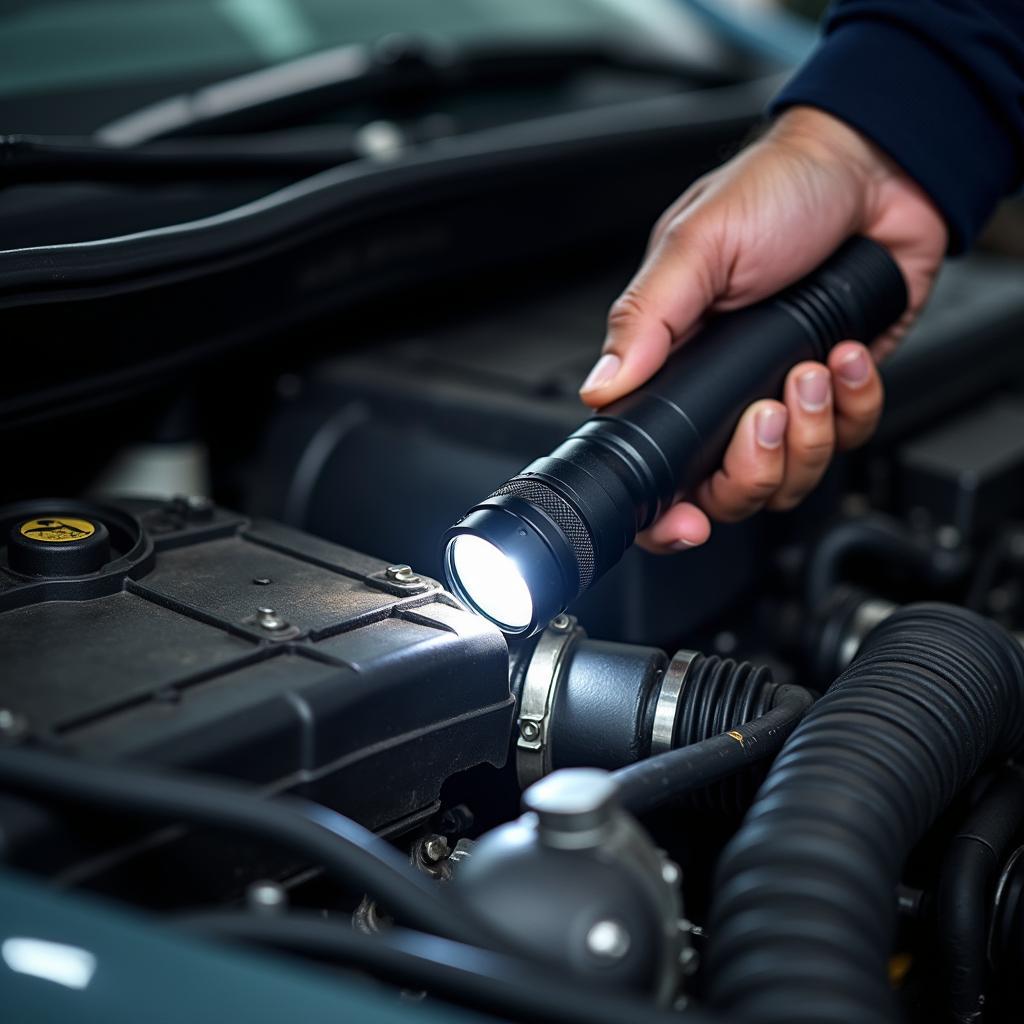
{"x": 677, "y": 283}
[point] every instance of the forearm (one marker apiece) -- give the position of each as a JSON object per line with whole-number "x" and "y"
{"x": 938, "y": 87}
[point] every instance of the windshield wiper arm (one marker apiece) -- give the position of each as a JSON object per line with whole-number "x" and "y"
{"x": 396, "y": 68}
{"x": 31, "y": 159}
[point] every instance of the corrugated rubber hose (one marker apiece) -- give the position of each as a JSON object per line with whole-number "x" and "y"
{"x": 804, "y": 911}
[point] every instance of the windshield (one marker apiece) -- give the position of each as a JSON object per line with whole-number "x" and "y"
{"x": 50, "y": 45}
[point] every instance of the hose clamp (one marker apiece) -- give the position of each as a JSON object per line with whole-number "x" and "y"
{"x": 666, "y": 711}
{"x": 543, "y": 676}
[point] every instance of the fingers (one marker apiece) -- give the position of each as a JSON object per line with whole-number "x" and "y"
{"x": 810, "y": 434}
{"x": 683, "y": 526}
{"x": 753, "y": 468}
{"x": 859, "y": 394}
{"x": 779, "y": 453}
{"x": 677, "y": 283}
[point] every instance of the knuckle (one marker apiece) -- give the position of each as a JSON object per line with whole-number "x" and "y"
{"x": 626, "y": 310}
{"x": 815, "y": 453}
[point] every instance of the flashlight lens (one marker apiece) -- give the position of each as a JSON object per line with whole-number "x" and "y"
{"x": 491, "y": 581}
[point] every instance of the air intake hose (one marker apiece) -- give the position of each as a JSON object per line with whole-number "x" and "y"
{"x": 803, "y": 916}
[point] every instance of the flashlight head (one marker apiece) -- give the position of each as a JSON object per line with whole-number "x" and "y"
{"x": 510, "y": 559}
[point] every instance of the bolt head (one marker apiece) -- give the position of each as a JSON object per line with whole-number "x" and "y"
{"x": 435, "y": 849}
{"x": 561, "y": 622}
{"x": 608, "y": 939}
{"x": 268, "y": 619}
{"x": 401, "y": 574}
{"x": 529, "y": 730}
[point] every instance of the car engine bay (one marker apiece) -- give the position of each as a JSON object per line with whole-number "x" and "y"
{"x": 253, "y": 746}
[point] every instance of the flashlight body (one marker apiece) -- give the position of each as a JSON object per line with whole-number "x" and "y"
{"x": 586, "y": 501}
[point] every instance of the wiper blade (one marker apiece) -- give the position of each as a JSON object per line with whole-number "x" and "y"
{"x": 31, "y": 159}
{"x": 398, "y": 68}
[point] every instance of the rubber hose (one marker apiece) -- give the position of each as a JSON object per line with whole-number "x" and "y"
{"x": 348, "y": 853}
{"x": 885, "y": 541}
{"x": 665, "y": 778}
{"x": 966, "y": 888}
{"x": 803, "y": 914}
{"x": 722, "y": 694}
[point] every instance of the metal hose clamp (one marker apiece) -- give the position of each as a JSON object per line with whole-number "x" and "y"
{"x": 666, "y": 711}
{"x": 537, "y": 699}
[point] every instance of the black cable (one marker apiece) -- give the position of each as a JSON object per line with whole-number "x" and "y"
{"x": 658, "y": 780}
{"x": 347, "y": 852}
{"x": 497, "y": 984}
{"x": 967, "y": 885}
{"x": 885, "y": 541}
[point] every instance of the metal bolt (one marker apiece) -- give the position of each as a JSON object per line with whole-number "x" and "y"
{"x": 435, "y": 849}
{"x": 561, "y": 622}
{"x": 262, "y": 581}
{"x": 402, "y": 574}
{"x": 608, "y": 940}
{"x": 266, "y": 896}
{"x": 529, "y": 730}
{"x": 268, "y": 619}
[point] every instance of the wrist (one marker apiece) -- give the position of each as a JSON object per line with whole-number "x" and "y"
{"x": 831, "y": 142}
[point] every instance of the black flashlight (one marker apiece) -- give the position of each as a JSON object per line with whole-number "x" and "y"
{"x": 524, "y": 553}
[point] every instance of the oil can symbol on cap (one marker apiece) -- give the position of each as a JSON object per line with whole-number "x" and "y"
{"x": 56, "y": 531}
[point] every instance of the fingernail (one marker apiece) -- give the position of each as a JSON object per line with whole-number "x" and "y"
{"x": 603, "y": 372}
{"x": 770, "y": 427}
{"x": 682, "y": 544}
{"x": 855, "y": 369}
{"x": 812, "y": 389}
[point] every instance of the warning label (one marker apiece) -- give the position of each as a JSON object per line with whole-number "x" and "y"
{"x": 56, "y": 531}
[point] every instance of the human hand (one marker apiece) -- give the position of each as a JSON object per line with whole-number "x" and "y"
{"x": 741, "y": 233}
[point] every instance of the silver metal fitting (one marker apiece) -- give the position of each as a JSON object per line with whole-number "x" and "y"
{"x": 268, "y": 619}
{"x": 666, "y": 711}
{"x": 543, "y": 676}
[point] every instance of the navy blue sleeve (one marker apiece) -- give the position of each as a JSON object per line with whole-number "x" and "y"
{"x": 936, "y": 84}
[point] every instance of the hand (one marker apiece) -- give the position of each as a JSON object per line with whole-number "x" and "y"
{"x": 738, "y": 235}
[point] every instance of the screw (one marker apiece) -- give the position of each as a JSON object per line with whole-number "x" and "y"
{"x": 268, "y": 619}
{"x": 560, "y": 622}
{"x": 262, "y": 581}
{"x": 435, "y": 849}
{"x": 266, "y": 896}
{"x": 529, "y": 730}
{"x": 608, "y": 940}
{"x": 402, "y": 574}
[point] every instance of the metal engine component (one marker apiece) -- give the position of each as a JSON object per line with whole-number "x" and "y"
{"x": 577, "y": 882}
{"x": 213, "y": 644}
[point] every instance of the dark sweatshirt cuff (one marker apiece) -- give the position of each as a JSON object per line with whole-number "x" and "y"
{"x": 921, "y": 109}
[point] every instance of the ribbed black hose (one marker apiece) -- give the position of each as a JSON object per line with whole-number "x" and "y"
{"x": 665, "y": 778}
{"x": 721, "y": 695}
{"x": 967, "y": 885}
{"x": 803, "y": 914}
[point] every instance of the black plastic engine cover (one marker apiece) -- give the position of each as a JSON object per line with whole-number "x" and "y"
{"x": 358, "y": 691}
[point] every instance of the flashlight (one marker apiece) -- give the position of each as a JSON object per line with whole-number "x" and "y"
{"x": 525, "y": 552}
